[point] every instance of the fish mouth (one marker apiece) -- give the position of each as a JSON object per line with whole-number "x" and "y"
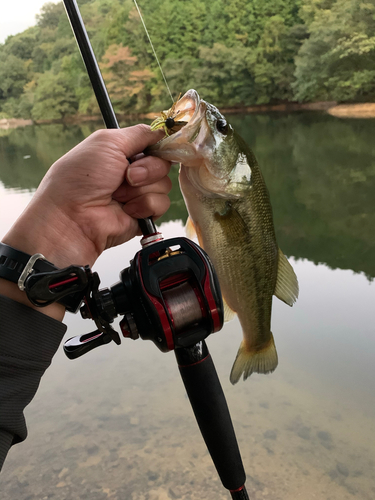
{"x": 178, "y": 146}
{"x": 188, "y": 109}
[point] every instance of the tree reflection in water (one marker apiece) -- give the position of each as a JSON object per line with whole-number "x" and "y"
{"x": 320, "y": 172}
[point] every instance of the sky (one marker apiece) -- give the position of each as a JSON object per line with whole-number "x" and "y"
{"x": 17, "y": 15}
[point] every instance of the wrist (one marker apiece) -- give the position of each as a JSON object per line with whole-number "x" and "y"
{"x": 53, "y": 234}
{"x": 50, "y": 236}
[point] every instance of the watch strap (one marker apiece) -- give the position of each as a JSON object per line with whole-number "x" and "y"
{"x": 13, "y": 262}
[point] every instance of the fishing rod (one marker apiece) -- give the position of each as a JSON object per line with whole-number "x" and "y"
{"x": 169, "y": 294}
{"x": 147, "y": 226}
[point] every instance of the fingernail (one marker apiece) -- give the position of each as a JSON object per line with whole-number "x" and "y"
{"x": 137, "y": 175}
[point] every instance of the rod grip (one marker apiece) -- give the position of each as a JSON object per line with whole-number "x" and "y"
{"x": 212, "y": 414}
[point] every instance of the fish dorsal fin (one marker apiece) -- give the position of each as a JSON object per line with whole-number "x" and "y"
{"x": 229, "y": 314}
{"x": 286, "y": 284}
{"x": 190, "y": 229}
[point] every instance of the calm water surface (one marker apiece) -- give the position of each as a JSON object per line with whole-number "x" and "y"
{"x": 116, "y": 424}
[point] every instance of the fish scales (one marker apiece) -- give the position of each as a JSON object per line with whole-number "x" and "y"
{"x": 244, "y": 253}
{"x": 230, "y": 210}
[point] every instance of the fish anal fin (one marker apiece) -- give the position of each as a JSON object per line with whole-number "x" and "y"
{"x": 286, "y": 288}
{"x": 229, "y": 314}
{"x": 254, "y": 361}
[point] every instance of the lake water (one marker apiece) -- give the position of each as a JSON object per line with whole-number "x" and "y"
{"x": 116, "y": 423}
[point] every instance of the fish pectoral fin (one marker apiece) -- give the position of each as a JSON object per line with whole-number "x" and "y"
{"x": 286, "y": 288}
{"x": 190, "y": 229}
{"x": 231, "y": 221}
{"x": 229, "y": 314}
{"x": 193, "y": 231}
{"x": 250, "y": 361}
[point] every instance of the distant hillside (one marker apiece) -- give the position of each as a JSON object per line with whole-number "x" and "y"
{"x": 236, "y": 53}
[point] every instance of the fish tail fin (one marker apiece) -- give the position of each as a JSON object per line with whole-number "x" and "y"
{"x": 248, "y": 362}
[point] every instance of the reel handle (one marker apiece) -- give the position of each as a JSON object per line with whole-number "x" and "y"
{"x": 81, "y": 344}
{"x": 207, "y": 399}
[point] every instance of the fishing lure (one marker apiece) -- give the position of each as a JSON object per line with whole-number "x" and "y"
{"x": 167, "y": 120}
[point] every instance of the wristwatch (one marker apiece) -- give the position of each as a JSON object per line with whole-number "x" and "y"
{"x": 14, "y": 262}
{"x": 16, "y": 266}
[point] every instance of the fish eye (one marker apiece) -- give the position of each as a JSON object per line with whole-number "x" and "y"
{"x": 222, "y": 126}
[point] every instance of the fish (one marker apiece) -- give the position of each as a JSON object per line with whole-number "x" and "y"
{"x": 230, "y": 213}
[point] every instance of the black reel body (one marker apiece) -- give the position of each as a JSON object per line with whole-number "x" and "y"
{"x": 169, "y": 294}
{"x": 177, "y": 301}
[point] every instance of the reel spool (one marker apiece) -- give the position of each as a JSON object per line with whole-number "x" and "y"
{"x": 184, "y": 307}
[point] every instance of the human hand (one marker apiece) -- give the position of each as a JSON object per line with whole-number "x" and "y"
{"x": 91, "y": 198}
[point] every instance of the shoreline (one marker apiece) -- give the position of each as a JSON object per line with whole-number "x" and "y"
{"x": 6, "y": 123}
{"x": 363, "y": 110}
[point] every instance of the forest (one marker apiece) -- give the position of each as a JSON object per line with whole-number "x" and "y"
{"x": 237, "y": 53}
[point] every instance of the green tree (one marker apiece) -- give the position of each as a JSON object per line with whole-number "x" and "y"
{"x": 225, "y": 76}
{"x": 13, "y": 76}
{"x": 338, "y": 60}
{"x": 50, "y": 15}
{"x": 53, "y": 98}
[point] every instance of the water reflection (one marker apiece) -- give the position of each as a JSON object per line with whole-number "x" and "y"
{"x": 116, "y": 424}
{"x": 321, "y": 175}
{"x": 320, "y": 172}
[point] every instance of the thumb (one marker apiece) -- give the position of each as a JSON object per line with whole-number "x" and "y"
{"x": 133, "y": 140}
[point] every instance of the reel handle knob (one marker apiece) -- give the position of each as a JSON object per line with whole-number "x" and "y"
{"x": 81, "y": 344}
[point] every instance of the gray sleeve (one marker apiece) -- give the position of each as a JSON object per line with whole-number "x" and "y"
{"x": 28, "y": 341}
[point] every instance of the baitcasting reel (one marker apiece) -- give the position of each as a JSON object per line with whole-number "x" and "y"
{"x": 169, "y": 294}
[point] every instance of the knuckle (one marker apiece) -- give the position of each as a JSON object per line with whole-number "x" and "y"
{"x": 101, "y": 134}
{"x": 168, "y": 184}
{"x": 159, "y": 167}
{"x": 142, "y": 128}
{"x": 163, "y": 206}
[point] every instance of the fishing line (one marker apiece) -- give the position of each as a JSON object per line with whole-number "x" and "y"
{"x": 152, "y": 46}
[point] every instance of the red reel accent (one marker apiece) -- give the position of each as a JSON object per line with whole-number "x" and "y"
{"x": 160, "y": 310}
{"x": 211, "y": 301}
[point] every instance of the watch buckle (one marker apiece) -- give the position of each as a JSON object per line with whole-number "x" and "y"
{"x": 28, "y": 269}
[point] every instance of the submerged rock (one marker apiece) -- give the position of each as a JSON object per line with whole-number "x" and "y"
{"x": 342, "y": 469}
{"x": 270, "y": 434}
{"x": 304, "y": 432}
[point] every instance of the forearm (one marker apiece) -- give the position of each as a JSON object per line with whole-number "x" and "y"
{"x": 28, "y": 341}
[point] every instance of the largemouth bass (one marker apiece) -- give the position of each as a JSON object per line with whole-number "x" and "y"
{"x": 230, "y": 211}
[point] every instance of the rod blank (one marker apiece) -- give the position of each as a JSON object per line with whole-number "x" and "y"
{"x": 91, "y": 64}
{"x": 147, "y": 225}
